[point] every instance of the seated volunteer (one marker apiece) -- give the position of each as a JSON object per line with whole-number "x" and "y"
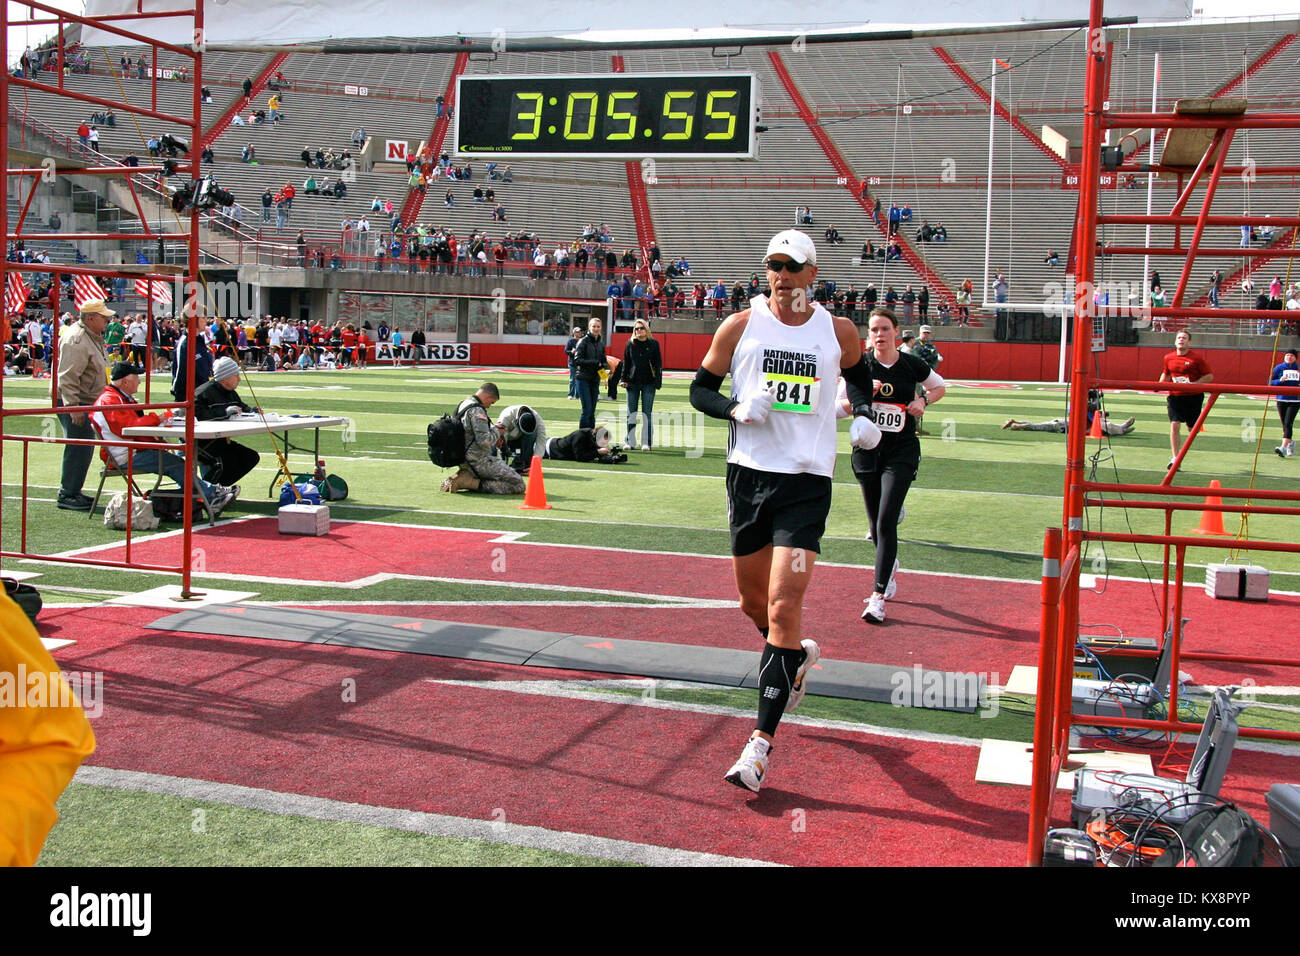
{"x": 483, "y": 470}
{"x": 521, "y": 434}
{"x": 113, "y": 413}
{"x": 220, "y": 459}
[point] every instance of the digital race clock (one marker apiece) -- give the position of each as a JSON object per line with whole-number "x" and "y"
{"x": 608, "y": 116}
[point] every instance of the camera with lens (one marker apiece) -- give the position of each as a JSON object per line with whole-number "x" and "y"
{"x": 201, "y": 194}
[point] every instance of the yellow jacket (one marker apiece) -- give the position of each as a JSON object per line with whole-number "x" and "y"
{"x": 40, "y": 746}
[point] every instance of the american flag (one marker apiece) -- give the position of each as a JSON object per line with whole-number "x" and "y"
{"x": 161, "y": 293}
{"x": 85, "y": 289}
{"x": 15, "y": 293}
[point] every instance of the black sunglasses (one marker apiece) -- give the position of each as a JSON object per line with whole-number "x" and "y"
{"x": 776, "y": 265}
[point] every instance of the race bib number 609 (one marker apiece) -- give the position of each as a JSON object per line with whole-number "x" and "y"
{"x": 889, "y": 418}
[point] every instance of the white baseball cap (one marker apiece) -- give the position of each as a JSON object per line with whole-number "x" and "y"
{"x": 794, "y": 244}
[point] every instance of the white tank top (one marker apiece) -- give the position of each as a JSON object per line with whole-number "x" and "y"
{"x": 803, "y": 362}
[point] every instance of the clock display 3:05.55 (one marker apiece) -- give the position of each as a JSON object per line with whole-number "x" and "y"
{"x": 613, "y": 115}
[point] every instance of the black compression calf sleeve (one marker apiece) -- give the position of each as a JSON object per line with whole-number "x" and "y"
{"x": 858, "y": 385}
{"x": 776, "y": 673}
{"x": 706, "y": 398}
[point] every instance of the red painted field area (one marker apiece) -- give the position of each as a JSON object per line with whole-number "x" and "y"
{"x": 273, "y": 715}
{"x": 938, "y": 621}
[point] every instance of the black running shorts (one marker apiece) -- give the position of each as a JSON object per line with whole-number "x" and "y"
{"x": 1184, "y": 408}
{"x": 765, "y": 507}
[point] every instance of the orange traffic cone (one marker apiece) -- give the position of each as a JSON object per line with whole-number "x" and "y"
{"x": 1096, "y": 431}
{"x": 535, "y": 496}
{"x": 1212, "y": 521}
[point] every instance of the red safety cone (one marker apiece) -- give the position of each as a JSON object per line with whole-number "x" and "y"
{"x": 535, "y": 496}
{"x": 1212, "y": 521}
{"x": 1096, "y": 430}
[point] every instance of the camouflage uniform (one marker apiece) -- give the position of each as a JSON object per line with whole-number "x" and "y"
{"x": 495, "y": 476}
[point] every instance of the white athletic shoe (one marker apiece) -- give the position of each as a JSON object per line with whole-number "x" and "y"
{"x": 645, "y": 447}
{"x": 892, "y": 587}
{"x": 875, "y": 611}
{"x": 751, "y": 768}
{"x": 813, "y": 655}
{"x": 1280, "y": 451}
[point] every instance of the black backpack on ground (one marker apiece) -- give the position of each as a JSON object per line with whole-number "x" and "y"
{"x": 25, "y": 596}
{"x": 447, "y": 441}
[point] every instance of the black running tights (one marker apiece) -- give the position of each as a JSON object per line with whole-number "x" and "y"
{"x": 884, "y": 493}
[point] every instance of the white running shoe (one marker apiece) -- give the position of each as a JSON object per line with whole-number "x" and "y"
{"x": 875, "y": 611}
{"x": 1280, "y": 451}
{"x": 892, "y": 587}
{"x": 645, "y": 447}
{"x": 813, "y": 654}
{"x": 751, "y": 768}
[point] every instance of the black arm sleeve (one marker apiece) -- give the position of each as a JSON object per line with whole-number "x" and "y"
{"x": 706, "y": 398}
{"x": 857, "y": 379}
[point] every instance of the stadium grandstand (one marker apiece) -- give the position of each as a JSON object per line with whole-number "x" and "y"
{"x": 373, "y": 659}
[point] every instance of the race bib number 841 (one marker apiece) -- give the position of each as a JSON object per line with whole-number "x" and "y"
{"x": 795, "y": 393}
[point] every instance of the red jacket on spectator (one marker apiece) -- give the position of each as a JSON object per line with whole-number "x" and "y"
{"x": 114, "y": 413}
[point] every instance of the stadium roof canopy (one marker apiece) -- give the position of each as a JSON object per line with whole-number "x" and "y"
{"x": 285, "y": 22}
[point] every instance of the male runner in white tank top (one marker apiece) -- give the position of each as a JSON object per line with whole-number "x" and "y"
{"x": 784, "y": 354}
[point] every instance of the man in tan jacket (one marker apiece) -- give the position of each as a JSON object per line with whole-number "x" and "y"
{"x": 82, "y": 374}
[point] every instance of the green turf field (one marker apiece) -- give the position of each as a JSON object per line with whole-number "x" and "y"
{"x": 981, "y": 502}
{"x": 979, "y": 506}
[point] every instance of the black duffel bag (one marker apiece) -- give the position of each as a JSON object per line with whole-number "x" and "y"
{"x": 25, "y": 596}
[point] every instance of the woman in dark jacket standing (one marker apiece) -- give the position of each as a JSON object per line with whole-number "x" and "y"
{"x": 642, "y": 373}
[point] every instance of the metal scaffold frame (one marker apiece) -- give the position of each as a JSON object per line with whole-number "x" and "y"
{"x": 1059, "y": 620}
{"x": 123, "y": 26}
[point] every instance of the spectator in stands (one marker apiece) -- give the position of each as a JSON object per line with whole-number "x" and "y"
{"x": 509, "y": 177}
{"x": 1216, "y": 281}
{"x": 305, "y": 155}
{"x": 83, "y": 134}
{"x": 207, "y": 156}
{"x": 448, "y": 199}
{"x": 719, "y": 297}
{"x": 248, "y": 154}
{"x": 1052, "y": 259}
{"x": 273, "y": 104}
{"x": 894, "y": 252}
{"x": 268, "y": 201}
{"x": 940, "y": 233}
{"x": 964, "y": 295}
{"x": 359, "y": 137}
{"x": 248, "y": 88}
{"x": 56, "y": 223}
{"x": 895, "y": 218}
{"x": 833, "y": 235}
{"x": 909, "y": 302}
{"x": 340, "y": 189}
{"x": 1000, "y": 290}
{"x": 923, "y": 303}
{"x": 906, "y": 213}
{"x": 205, "y": 96}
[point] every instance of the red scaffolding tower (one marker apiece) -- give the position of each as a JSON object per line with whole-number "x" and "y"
{"x": 80, "y": 161}
{"x": 1059, "y": 622}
